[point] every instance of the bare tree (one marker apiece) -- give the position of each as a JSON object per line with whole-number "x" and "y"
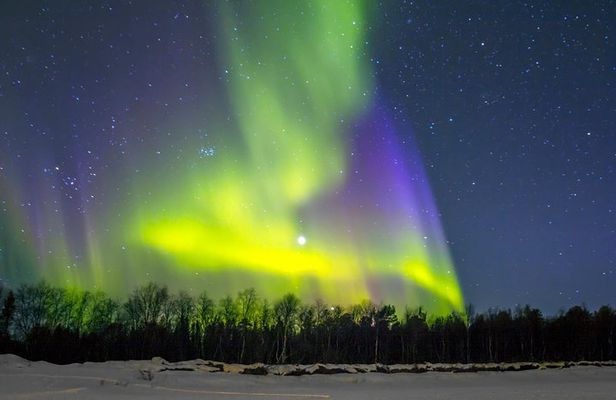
{"x": 469, "y": 318}
{"x": 205, "y": 310}
{"x": 383, "y": 319}
{"x": 183, "y": 309}
{"x": 31, "y": 307}
{"x": 101, "y": 312}
{"x": 147, "y": 305}
{"x": 247, "y": 307}
{"x": 6, "y": 316}
{"x": 285, "y": 312}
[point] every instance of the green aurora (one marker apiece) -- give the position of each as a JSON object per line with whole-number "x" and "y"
{"x": 265, "y": 194}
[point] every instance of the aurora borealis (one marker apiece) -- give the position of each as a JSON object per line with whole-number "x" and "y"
{"x": 292, "y": 175}
{"x": 293, "y": 179}
{"x": 342, "y": 150}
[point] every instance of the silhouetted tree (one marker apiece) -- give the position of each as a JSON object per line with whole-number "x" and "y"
{"x": 205, "y": 318}
{"x": 147, "y": 305}
{"x": 6, "y": 316}
{"x": 101, "y": 312}
{"x": 32, "y": 305}
{"x": 383, "y": 320}
{"x": 605, "y": 320}
{"x": 416, "y": 332}
{"x": 247, "y": 307}
{"x": 285, "y": 312}
{"x": 470, "y": 319}
{"x": 181, "y": 315}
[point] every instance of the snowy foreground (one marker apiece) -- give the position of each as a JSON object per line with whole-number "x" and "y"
{"x": 198, "y": 379}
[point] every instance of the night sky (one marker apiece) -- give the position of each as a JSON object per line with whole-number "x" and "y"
{"x": 514, "y": 107}
{"x": 395, "y": 150}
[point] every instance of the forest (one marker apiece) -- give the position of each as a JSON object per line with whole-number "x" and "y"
{"x": 59, "y": 325}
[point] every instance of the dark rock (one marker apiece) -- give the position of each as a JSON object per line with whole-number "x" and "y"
{"x": 285, "y": 370}
{"x": 255, "y": 369}
{"x": 328, "y": 369}
{"x": 146, "y": 374}
{"x": 213, "y": 364}
{"x": 382, "y": 368}
{"x": 407, "y": 368}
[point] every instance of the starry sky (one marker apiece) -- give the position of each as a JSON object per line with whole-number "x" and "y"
{"x": 435, "y": 153}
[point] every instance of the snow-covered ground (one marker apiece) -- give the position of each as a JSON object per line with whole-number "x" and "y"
{"x": 21, "y": 379}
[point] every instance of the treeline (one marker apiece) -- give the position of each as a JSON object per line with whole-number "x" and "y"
{"x": 41, "y": 322}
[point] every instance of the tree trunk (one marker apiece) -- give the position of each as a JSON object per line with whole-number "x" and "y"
{"x": 282, "y": 356}
{"x": 490, "y": 347}
{"x": 376, "y": 346}
{"x": 243, "y": 347}
{"x": 532, "y": 346}
{"x": 468, "y": 344}
{"x": 403, "y": 351}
